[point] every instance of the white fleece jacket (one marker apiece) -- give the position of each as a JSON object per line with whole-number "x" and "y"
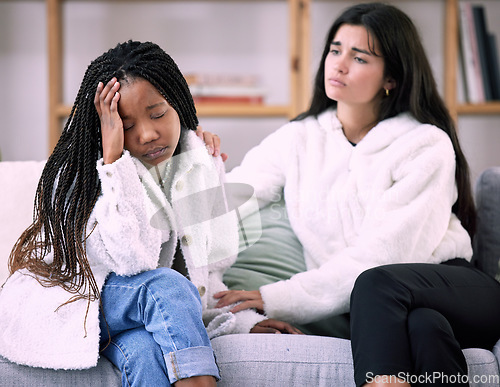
{"x": 386, "y": 200}
{"x": 126, "y": 232}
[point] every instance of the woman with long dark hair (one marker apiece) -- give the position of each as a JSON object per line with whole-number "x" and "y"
{"x": 377, "y": 191}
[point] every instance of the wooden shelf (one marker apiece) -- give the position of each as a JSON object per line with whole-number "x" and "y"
{"x": 484, "y": 108}
{"x": 210, "y": 110}
{"x": 300, "y": 82}
{"x": 217, "y": 110}
{"x": 452, "y": 76}
{"x": 298, "y": 36}
{"x": 299, "y": 40}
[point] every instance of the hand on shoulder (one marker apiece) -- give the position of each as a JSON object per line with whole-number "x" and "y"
{"x": 212, "y": 141}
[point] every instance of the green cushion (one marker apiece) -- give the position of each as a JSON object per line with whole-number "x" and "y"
{"x": 276, "y": 256}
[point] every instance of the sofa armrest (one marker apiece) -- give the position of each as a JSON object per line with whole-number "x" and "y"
{"x": 18, "y": 182}
{"x": 487, "y": 240}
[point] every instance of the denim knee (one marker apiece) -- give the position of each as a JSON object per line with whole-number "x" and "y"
{"x": 173, "y": 280}
{"x": 165, "y": 275}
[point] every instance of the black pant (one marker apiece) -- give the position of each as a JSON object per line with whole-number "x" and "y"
{"x": 412, "y": 320}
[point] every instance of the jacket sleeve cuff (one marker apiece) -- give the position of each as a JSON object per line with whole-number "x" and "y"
{"x": 246, "y": 320}
{"x": 277, "y": 301}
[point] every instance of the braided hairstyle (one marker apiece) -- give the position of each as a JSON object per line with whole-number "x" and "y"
{"x": 69, "y": 185}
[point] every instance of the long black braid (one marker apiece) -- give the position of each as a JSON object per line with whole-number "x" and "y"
{"x": 69, "y": 185}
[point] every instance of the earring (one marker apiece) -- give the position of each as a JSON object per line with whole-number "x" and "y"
{"x": 387, "y": 92}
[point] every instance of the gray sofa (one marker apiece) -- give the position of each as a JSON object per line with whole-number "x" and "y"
{"x": 249, "y": 360}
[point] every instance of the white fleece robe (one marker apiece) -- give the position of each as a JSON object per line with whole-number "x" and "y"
{"x": 131, "y": 228}
{"x": 386, "y": 200}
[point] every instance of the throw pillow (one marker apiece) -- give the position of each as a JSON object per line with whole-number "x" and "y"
{"x": 276, "y": 256}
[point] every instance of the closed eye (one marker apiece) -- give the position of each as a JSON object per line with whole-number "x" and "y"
{"x": 156, "y": 116}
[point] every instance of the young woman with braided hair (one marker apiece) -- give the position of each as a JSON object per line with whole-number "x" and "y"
{"x": 94, "y": 269}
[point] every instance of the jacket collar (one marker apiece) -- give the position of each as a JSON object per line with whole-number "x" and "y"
{"x": 380, "y": 136}
{"x": 193, "y": 153}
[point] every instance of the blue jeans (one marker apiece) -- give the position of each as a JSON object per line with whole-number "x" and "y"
{"x": 155, "y": 323}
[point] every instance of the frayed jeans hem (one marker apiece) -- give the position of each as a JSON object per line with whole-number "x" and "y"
{"x": 189, "y": 362}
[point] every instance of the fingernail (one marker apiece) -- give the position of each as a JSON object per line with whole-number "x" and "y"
{"x": 210, "y": 150}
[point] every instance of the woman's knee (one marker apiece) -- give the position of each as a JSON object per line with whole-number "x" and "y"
{"x": 160, "y": 286}
{"x": 162, "y": 273}
{"x": 164, "y": 277}
{"x": 373, "y": 284}
{"x": 433, "y": 345}
{"x": 427, "y": 324}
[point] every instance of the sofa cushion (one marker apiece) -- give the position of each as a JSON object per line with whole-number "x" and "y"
{"x": 487, "y": 240}
{"x": 18, "y": 182}
{"x": 266, "y": 360}
{"x": 276, "y": 256}
{"x": 252, "y": 360}
{"x": 105, "y": 375}
{"x": 283, "y": 360}
{"x": 482, "y": 366}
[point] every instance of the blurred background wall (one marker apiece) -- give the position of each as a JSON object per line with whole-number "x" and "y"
{"x": 210, "y": 37}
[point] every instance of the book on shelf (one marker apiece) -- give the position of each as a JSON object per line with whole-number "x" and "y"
{"x": 221, "y": 79}
{"x": 479, "y": 55}
{"x": 237, "y": 99}
{"x": 483, "y": 48}
{"x": 494, "y": 66}
{"x": 225, "y": 89}
{"x": 472, "y": 76}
